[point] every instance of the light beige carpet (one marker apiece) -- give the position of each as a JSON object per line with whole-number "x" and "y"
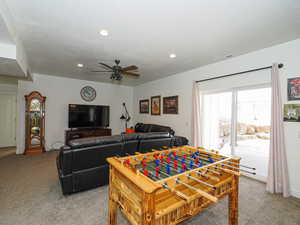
{"x": 30, "y": 194}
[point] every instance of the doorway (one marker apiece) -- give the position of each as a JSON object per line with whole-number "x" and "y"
{"x": 7, "y": 120}
{"x": 237, "y": 122}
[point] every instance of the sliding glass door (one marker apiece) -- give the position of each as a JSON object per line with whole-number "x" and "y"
{"x": 237, "y": 122}
{"x": 217, "y": 120}
{"x": 253, "y": 128}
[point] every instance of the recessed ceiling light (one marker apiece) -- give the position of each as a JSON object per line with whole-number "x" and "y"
{"x": 104, "y": 32}
{"x": 80, "y": 65}
{"x": 172, "y": 55}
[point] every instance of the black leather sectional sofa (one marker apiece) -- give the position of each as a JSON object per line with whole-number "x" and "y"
{"x": 82, "y": 163}
{"x": 146, "y": 127}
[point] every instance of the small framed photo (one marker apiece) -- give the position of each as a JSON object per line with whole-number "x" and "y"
{"x": 155, "y": 105}
{"x": 144, "y": 106}
{"x": 293, "y": 89}
{"x": 170, "y": 105}
{"x": 291, "y": 113}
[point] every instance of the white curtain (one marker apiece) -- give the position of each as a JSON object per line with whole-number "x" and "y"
{"x": 278, "y": 178}
{"x": 210, "y": 122}
{"x": 216, "y": 119}
{"x": 196, "y": 116}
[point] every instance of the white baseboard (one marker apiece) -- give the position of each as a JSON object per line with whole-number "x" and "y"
{"x": 7, "y": 146}
{"x": 256, "y": 177}
{"x": 295, "y": 193}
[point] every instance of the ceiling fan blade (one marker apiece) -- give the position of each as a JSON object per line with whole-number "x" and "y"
{"x": 131, "y": 74}
{"x": 106, "y": 65}
{"x": 98, "y": 71}
{"x": 130, "y": 68}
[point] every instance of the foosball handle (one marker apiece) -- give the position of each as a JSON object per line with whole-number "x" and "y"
{"x": 208, "y": 196}
{"x": 180, "y": 194}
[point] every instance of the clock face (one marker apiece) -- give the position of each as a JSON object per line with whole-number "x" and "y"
{"x": 88, "y": 93}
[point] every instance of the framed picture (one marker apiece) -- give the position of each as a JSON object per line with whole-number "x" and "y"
{"x": 291, "y": 113}
{"x": 155, "y": 105}
{"x": 293, "y": 89}
{"x": 170, "y": 105}
{"x": 144, "y": 106}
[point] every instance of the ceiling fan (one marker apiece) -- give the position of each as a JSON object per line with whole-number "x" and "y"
{"x": 117, "y": 71}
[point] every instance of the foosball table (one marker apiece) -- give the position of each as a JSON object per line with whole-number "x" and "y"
{"x": 172, "y": 185}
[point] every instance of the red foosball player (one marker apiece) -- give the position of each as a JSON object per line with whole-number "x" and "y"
{"x": 157, "y": 171}
{"x": 143, "y": 163}
{"x": 161, "y": 159}
{"x": 168, "y": 160}
{"x": 146, "y": 172}
{"x": 127, "y": 162}
{"x": 175, "y": 164}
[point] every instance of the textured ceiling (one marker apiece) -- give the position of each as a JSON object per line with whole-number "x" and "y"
{"x": 10, "y": 67}
{"x": 5, "y": 37}
{"x": 58, "y": 34}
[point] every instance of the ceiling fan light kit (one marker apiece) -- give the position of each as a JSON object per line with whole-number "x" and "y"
{"x": 117, "y": 71}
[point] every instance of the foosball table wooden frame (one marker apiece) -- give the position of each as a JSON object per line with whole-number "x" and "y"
{"x": 170, "y": 198}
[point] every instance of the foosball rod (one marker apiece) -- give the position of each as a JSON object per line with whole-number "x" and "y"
{"x": 166, "y": 186}
{"x": 203, "y": 193}
{"x": 232, "y": 167}
{"x": 198, "y": 172}
{"x": 191, "y": 177}
{"x": 225, "y": 170}
{"x": 233, "y": 163}
{"x": 213, "y": 171}
{"x": 199, "y": 181}
{"x": 159, "y": 154}
{"x": 201, "y": 173}
{"x": 220, "y": 168}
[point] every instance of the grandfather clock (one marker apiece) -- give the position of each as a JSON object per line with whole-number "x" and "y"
{"x": 34, "y": 123}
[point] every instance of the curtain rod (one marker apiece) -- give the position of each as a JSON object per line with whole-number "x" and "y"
{"x": 233, "y": 74}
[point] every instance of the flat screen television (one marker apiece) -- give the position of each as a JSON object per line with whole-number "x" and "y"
{"x": 85, "y": 116}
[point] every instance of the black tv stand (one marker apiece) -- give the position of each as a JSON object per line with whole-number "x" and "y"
{"x": 85, "y": 128}
{"x": 86, "y": 132}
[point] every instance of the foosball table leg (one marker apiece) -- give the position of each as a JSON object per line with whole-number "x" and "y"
{"x": 148, "y": 209}
{"x": 113, "y": 206}
{"x": 233, "y": 202}
{"x": 112, "y": 212}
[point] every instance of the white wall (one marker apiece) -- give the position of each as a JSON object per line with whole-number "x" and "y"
{"x": 9, "y": 89}
{"x": 63, "y": 91}
{"x": 8, "y": 51}
{"x": 181, "y": 84}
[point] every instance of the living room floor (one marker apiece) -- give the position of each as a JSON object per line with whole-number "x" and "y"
{"x": 30, "y": 194}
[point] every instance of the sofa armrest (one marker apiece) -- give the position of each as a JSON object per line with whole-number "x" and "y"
{"x": 64, "y": 160}
{"x": 179, "y": 141}
{"x": 65, "y": 147}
